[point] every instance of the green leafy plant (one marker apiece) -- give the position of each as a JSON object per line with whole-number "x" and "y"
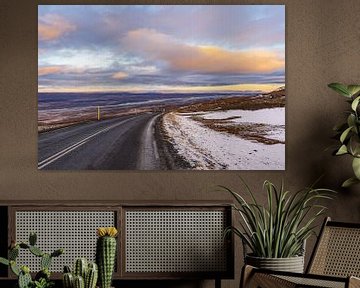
{"x": 279, "y": 229}
{"x": 349, "y": 131}
{"x": 43, "y": 283}
{"x": 42, "y": 278}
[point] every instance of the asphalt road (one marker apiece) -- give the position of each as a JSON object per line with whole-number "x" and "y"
{"x": 124, "y": 143}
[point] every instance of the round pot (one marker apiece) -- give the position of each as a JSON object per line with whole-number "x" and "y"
{"x": 291, "y": 264}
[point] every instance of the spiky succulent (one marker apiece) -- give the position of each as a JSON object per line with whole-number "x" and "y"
{"x": 278, "y": 229}
{"x": 106, "y": 254}
{"x": 85, "y": 274}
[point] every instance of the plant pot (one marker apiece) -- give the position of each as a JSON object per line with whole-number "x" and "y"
{"x": 291, "y": 264}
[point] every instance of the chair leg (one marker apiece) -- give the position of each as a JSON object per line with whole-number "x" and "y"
{"x": 217, "y": 283}
{"x": 246, "y": 274}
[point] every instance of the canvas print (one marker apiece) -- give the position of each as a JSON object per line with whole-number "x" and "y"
{"x": 161, "y": 87}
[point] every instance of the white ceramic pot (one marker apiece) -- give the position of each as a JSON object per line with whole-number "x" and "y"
{"x": 291, "y": 264}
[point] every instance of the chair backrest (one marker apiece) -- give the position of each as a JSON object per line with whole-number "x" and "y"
{"x": 337, "y": 251}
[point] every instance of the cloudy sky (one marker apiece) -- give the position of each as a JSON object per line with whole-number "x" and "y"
{"x": 161, "y": 48}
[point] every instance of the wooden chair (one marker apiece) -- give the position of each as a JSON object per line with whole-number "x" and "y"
{"x": 335, "y": 262}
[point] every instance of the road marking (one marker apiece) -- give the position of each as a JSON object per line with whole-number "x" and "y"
{"x": 155, "y": 150}
{"x": 149, "y": 155}
{"x": 76, "y": 145}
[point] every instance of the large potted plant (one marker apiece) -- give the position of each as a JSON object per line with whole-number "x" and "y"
{"x": 349, "y": 131}
{"x": 275, "y": 234}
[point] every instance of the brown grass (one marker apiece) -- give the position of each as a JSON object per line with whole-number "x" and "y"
{"x": 271, "y": 100}
{"x": 250, "y": 131}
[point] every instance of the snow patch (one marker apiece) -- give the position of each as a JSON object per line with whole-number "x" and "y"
{"x": 207, "y": 149}
{"x": 270, "y": 116}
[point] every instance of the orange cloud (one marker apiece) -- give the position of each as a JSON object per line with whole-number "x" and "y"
{"x": 58, "y": 69}
{"x": 45, "y": 70}
{"x": 52, "y": 27}
{"x": 120, "y": 75}
{"x": 153, "y": 45}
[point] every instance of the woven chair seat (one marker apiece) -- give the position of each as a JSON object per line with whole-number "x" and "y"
{"x": 313, "y": 282}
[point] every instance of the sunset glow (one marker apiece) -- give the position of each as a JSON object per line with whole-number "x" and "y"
{"x": 171, "y": 48}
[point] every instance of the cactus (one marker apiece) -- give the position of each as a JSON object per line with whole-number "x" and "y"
{"x": 45, "y": 261}
{"x": 80, "y": 268}
{"x": 14, "y": 268}
{"x": 68, "y": 280}
{"x": 13, "y": 253}
{"x": 90, "y": 272}
{"x": 24, "y": 245}
{"x": 36, "y": 251}
{"x": 79, "y": 282}
{"x": 91, "y": 276}
{"x": 106, "y": 254}
{"x": 57, "y": 252}
{"x": 43, "y": 274}
{"x": 67, "y": 269}
{"x": 32, "y": 238}
{"x": 42, "y": 278}
{"x": 24, "y": 280}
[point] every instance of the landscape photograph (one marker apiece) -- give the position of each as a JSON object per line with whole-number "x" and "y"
{"x": 161, "y": 87}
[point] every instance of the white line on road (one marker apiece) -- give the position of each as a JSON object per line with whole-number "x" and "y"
{"x": 72, "y": 147}
{"x": 149, "y": 155}
{"x": 155, "y": 150}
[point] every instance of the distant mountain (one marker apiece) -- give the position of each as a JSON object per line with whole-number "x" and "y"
{"x": 279, "y": 92}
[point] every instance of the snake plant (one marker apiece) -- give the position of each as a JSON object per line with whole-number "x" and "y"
{"x": 279, "y": 228}
{"x": 349, "y": 131}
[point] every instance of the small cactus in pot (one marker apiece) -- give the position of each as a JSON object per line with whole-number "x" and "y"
{"x": 106, "y": 254}
{"x": 85, "y": 275}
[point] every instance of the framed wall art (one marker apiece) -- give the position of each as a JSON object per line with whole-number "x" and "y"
{"x": 161, "y": 87}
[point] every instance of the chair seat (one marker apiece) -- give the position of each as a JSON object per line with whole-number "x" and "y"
{"x": 315, "y": 282}
{"x": 268, "y": 279}
{"x": 335, "y": 262}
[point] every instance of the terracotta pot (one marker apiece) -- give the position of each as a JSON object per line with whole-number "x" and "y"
{"x": 291, "y": 264}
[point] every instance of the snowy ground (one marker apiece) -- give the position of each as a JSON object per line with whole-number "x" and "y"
{"x": 205, "y": 148}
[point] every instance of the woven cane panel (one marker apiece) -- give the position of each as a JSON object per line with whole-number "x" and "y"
{"x": 338, "y": 253}
{"x": 308, "y": 282}
{"x": 74, "y": 231}
{"x": 175, "y": 241}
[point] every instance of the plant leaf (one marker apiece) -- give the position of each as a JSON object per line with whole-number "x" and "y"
{"x": 340, "y": 88}
{"x": 353, "y": 89}
{"x": 279, "y": 228}
{"x": 356, "y": 167}
{"x": 349, "y": 182}
{"x": 342, "y": 150}
{"x": 354, "y": 145}
{"x": 340, "y": 127}
{"x": 351, "y": 119}
{"x": 355, "y": 103}
{"x": 345, "y": 134}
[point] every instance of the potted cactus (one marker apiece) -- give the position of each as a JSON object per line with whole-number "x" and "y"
{"x": 85, "y": 275}
{"x": 106, "y": 254}
{"x": 42, "y": 278}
